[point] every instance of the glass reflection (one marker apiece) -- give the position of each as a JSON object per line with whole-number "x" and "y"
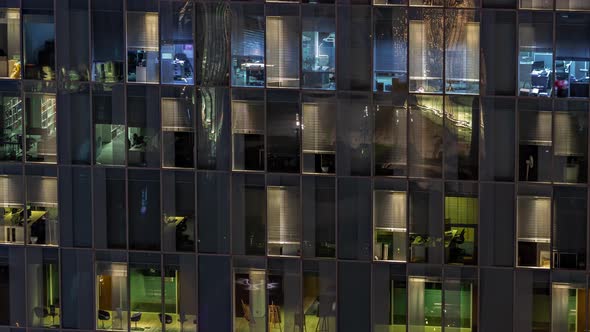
{"x": 318, "y": 47}
{"x": 41, "y": 128}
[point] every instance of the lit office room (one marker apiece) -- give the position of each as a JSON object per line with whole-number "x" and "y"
{"x": 12, "y": 215}
{"x": 535, "y": 59}
{"x": 42, "y": 209}
{"x": 143, "y": 296}
{"x": 11, "y": 131}
{"x": 176, "y": 42}
{"x": 572, "y": 55}
{"x": 434, "y": 300}
{"x": 143, "y": 42}
{"x": 247, "y": 45}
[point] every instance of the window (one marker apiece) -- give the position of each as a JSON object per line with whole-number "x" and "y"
{"x": 496, "y": 224}
{"x": 570, "y": 133}
{"x": 569, "y": 228}
{"x": 498, "y": 46}
{"x": 461, "y": 223}
{"x": 212, "y": 33}
{"x": 319, "y": 133}
{"x": 390, "y": 224}
{"x": 283, "y": 131}
{"x": 284, "y": 295}
{"x": 425, "y": 229}
{"x": 180, "y": 292}
{"x": 75, "y": 272}
{"x": 536, "y": 4}
{"x": 73, "y": 30}
{"x": 571, "y": 57}
{"x": 535, "y": 53}
{"x": 283, "y": 216}
{"x": 390, "y": 143}
{"x": 12, "y": 206}
{"x": 533, "y": 220}
{"x": 39, "y": 40}
{"x": 568, "y": 295}
{"x": 354, "y": 140}
{"x": 497, "y": 138}
{"x": 250, "y": 295}
{"x": 318, "y": 45}
{"x": 319, "y": 216}
{"x": 425, "y": 145}
{"x": 213, "y": 195}
{"x": 75, "y": 217}
{"x": 319, "y": 294}
{"x": 10, "y": 60}
{"x": 535, "y": 140}
{"x": 176, "y": 42}
{"x": 40, "y": 127}
{"x": 143, "y": 63}
{"x": 145, "y": 291}
{"x": 497, "y": 286}
{"x": 354, "y": 41}
{"x": 109, "y": 124}
{"x": 390, "y": 297}
{"x": 143, "y": 195}
{"x": 43, "y": 305}
{"x": 143, "y": 126}
{"x": 213, "y": 128}
{"x": 108, "y": 46}
{"x": 215, "y": 293}
{"x": 424, "y": 303}
{"x": 11, "y": 131}
{"x": 248, "y": 130}
{"x": 178, "y": 211}
{"x": 460, "y": 299}
{"x": 572, "y": 5}
{"x": 73, "y": 125}
{"x": 178, "y": 127}
{"x": 354, "y": 296}
{"x": 354, "y": 218}
{"x": 42, "y": 209}
{"x": 112, "y": 305}
{"x": 110, "y": 225}
{"x": 533, "y": 296}
{"x": 426, "y": 42}
{"x": 247, "y": 45}
{"x": 282, "y": 46}
{"x": 390, "y": 50}
{"x": 462, "y": 126}
{"x": 12, "y": 290}
{"x": 462, "y": 51}
{"x": 248, "y": 214}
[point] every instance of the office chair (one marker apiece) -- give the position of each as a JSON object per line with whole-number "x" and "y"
{"x": 102, "y": 316}
{"x": 136, "y": 317}
{"x": 166, "y": 319}
{"x": 41, "y": 313}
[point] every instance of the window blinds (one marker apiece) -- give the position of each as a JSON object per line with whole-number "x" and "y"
{"x": 283, "y": 215}
{"x": 319, "y": 128}
{"x": 42, "y": 191}
{"x": 534, "y": 218}
{"x": 176, "y": 115}
{"x": 11, "y": 190}
{"x": 247, "y": 117}
{"x": 535, "y": 128}
{"x": 282, "y": 51}
{"x": 569, "y": 135}
{"x": 390, "y": 209}
{"x": 142, "y": 31}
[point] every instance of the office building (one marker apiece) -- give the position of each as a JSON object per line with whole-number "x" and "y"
{"x": 305, "y": 165}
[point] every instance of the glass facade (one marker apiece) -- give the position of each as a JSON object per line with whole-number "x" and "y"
{"x": 294, "y": 165}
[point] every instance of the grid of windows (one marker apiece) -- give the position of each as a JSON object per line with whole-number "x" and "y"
{"x": 313, "y": 165}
